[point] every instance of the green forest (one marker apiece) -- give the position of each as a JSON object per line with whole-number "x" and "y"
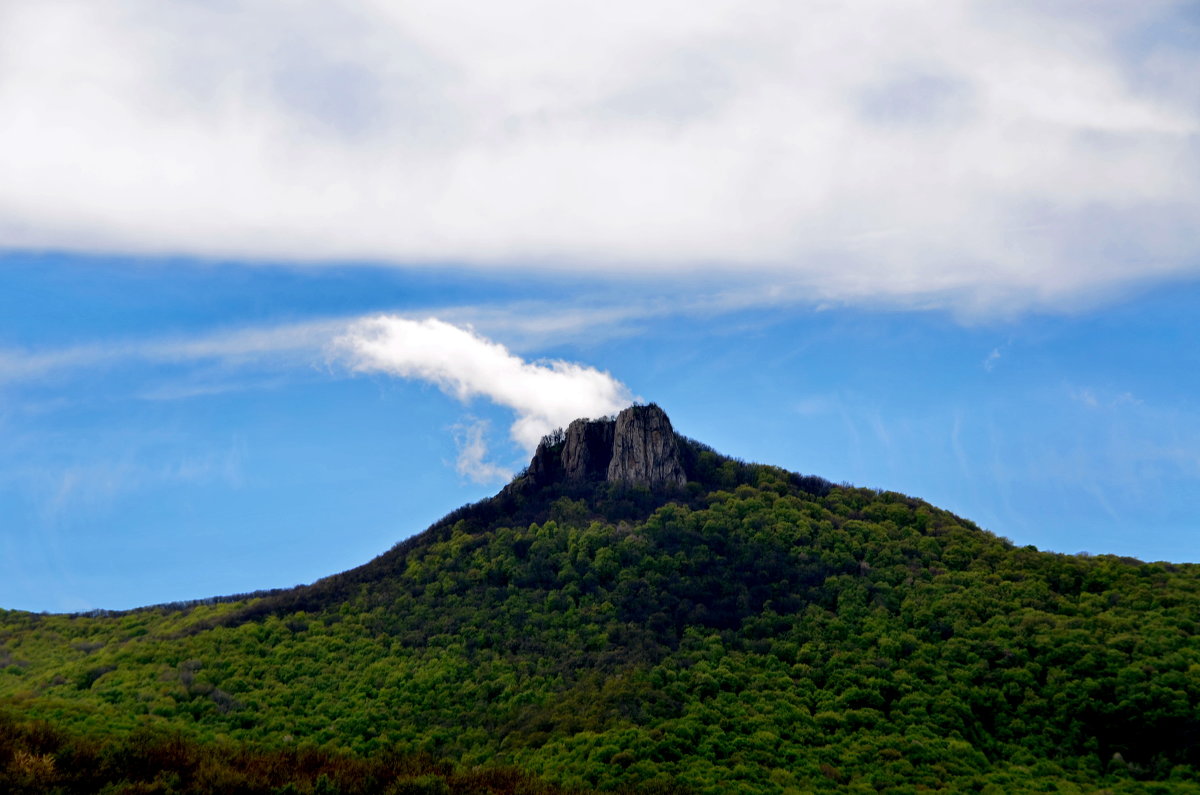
{"x": 753, "y": 631}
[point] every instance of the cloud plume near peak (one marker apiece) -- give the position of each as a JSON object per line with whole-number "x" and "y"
{"x": 545, "y": 394}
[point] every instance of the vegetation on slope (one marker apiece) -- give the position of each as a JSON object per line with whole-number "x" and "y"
{"x": 37, "y": 758}
{"x": 755, "y": 631}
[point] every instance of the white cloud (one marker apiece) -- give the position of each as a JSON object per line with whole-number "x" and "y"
{"x": 472, "y": 454}
{"x": 545, "y": 395}
{"x": 981, "y": 155}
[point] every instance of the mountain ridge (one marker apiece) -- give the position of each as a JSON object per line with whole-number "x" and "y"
{"x": 575, "y": 460}
{"x": 749, "y": 629}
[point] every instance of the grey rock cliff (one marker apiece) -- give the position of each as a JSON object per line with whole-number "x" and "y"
{"x": 645, "y": 451}
{"x": 587, "y": 449}
{"x": 638, "y": 448}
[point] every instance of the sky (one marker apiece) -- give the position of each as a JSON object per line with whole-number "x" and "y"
{"x": 283, "y": 283}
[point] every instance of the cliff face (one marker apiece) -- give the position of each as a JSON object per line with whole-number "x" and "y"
{"x": 645, "y": 451}
{"x": 638, "y": 448}
{"x": 587, "y": 449}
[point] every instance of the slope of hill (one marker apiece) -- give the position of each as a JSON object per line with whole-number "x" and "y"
{"x": 608, "y": 621}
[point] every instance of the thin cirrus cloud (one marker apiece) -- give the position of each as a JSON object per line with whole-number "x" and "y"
{"x": 978, "y": 155}
{"x": 544, "y": 395}
{"x": 286, "y": 345}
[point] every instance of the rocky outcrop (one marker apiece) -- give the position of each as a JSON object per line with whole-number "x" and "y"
{"x": 587, "y": 449}
{"x": 546, "y": 466}
{"x": 645, "y": 451}
{"x": 637, "y": 448}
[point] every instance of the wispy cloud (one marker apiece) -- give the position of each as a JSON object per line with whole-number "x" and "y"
{"x": 87, "y": 486}
{"x": 524, "y": 325}
{"x": 815, "y": 405}
{"x": 292, "y": 343}
{"x": 989, "y": 361}
{"x": 1103, "y": 398}
{"x": 1085, "y": 396}
{"x": 470, "y": 436}
{"x": 982, "y": 156}
{"x": 545, "y": 395}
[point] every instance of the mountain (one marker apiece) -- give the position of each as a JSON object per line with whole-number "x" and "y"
{"x": 635, "y": 611}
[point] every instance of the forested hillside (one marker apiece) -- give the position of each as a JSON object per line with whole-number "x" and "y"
{"x": 750, "y": 631}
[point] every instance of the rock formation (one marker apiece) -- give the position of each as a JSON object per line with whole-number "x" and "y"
{"x": 645, "y": 450}
{"x": 638, "y": 448}
{"x": 587, "y": 449}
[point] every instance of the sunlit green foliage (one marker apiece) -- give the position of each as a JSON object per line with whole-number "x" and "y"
{"x": 756, "y": 632}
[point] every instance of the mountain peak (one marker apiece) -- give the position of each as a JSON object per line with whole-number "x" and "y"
{"x": 638, "y": 447}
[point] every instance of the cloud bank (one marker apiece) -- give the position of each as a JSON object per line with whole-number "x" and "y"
{"x": 975, "y": 154}
{"x": 545, "y": 395}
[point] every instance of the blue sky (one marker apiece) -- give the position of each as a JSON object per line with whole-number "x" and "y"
{"x": 281, "y": 286}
